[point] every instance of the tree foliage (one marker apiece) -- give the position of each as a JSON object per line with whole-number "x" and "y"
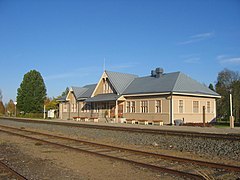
{"x": 64, "y": 93}
{"x": 10, "y": 107}
{"x": 1, "y": 96}
{"x": 211, "y": 87}
{"x": 31, "y": 93}
{"x": 228, "y": 82}
{"x": 2, "y": 108}
{"x": 51, "y": 103}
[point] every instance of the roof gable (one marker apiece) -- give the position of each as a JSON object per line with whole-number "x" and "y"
{"x": 120, "y": 81}
{"x": 78, "y": 91}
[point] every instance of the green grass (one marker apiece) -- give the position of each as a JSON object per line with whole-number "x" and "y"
{"x": 225, "y": 124}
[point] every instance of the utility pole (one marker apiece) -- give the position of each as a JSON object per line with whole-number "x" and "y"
{"x": 15, "y": 103}
{"x": 204, "y": 116}
{"x": 231, "y": 116}
{"x": 44, "y": 112}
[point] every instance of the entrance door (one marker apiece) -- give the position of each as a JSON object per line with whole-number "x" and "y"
{"x": 120, "y": 111}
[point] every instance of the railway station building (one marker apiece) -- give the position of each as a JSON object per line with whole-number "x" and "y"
{"x": 159, "y": 97}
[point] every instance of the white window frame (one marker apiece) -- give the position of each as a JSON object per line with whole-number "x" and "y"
{"x": 209, "y": 107}
{"x": 131, "y": 106}
{"x": 160, "y": 106}
{"x": 182, "y": 106}
{"x": 144, "y": 107}
{"x": 128, "y": 106}
{"x": 65, "y": 107}
{"x": 193, "y": 107}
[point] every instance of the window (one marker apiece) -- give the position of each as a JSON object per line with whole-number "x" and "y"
{"x": 133, "y": 106}
{"x": 65, "y": 108}
{"x": 180, "y": 106}
{"x": 208, "y": 107}
{"x": 106, "y": 86}
{"x": 158, "y": 107}
{"x": 144, "y": 106}
{"x": 195, "y": 106}
{"x": 86, "y": 107}
{"x": 128, "y": 107}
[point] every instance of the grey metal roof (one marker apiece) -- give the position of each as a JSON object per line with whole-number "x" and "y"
{"x": 78, "y": 91}
{"x": 168, "y": 82}
{"x": 61, "y": 99}
{"x": 90, "y": 88}
{"x": 120, "y": 81}
{"x": 150, "y": 84}
{"x": 103, "y": 97}
{"x": 185, "y": 84}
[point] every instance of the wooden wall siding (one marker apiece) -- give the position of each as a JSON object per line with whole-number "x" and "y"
{"x": 188, "y": 114}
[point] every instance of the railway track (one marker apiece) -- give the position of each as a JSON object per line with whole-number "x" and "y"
{"x": 187, "y": 168}
{"x": 231, "y": 137}
{"x": 7, "y": 172}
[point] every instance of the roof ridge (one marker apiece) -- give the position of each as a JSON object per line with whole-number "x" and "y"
{"x": 120, "y": 73}
{"x": 176, "y": 80}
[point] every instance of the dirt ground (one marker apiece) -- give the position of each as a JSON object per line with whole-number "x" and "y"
{"x": 40, "y": 161}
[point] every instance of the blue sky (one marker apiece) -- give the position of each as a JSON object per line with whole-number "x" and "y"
{"x": 67, "y": 40}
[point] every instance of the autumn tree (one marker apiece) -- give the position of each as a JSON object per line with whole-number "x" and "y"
{"x": 1, "y": 96}
{"x": 31, "y": 93}
{"x": 10, "y": 107}
{"x": 228, "y": 82}
{"x": 2, "y": 108}
{"x": 51, "y": 103}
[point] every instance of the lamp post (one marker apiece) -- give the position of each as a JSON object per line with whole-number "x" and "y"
{"x": 231, "y": 116}
{"x": 15, "y": 103}
{"x": 44, "y": 112}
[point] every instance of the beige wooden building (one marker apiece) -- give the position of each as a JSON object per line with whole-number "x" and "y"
{"x": 118, "y": 97}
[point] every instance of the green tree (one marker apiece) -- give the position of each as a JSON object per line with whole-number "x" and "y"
{"x": 211, "y": 87}
{"x": 64, "y": 93}
{"x": 31, "y": 93}
{"x": 10, "y": 107}
{"x": 228, "y": 81}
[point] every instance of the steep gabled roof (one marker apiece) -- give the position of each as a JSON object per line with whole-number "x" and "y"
{"x": 167, "y": 83}
{"x": 78, "y": 91}
{"x": 62, "y": 99}
{"x": 120, "y": 81}
{"x": 89, "y": 90}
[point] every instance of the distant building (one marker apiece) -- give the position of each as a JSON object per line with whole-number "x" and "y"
{"x": 159, "y": 96}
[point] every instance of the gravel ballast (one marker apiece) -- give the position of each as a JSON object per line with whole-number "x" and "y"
{"x": 203, "y": 147}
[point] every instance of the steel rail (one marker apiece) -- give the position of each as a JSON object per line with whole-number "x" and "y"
{"x": 150, "y": 166}
{"x": 12, "y": 172}
{"x": 231, "y": 137}
{"x": 167, "y": 157}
